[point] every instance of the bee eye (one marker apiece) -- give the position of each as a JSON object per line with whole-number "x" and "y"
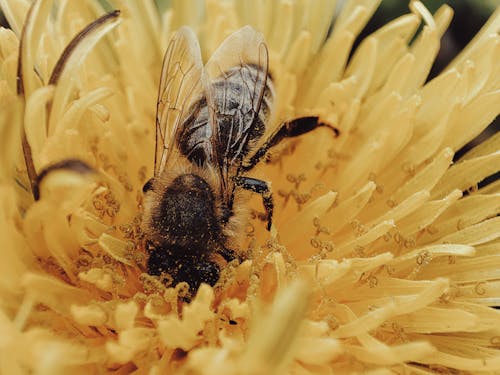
{"x": 148, "y": 186}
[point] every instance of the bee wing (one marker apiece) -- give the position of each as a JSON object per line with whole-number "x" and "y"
{"x": 180, "y": 87}
{"x": 235, "y": 79}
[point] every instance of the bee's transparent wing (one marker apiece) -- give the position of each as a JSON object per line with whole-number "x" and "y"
{"x": 235, "y": 80}
{"x": 180, "y": 88}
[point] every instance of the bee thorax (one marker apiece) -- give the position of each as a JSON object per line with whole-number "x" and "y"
{"x": 186, "y": 213}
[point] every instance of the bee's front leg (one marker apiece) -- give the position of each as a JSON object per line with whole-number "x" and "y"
{"x": 259, "y": 187}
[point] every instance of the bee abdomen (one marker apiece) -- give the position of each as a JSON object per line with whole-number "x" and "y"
{"x": 194, "y": 139}
{"x": 239, "y": 126}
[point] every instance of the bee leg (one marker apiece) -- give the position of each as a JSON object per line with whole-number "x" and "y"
{"x": 289, "y": 129}
{"x": 259, "y": 187}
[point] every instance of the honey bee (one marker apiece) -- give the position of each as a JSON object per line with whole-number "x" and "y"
{"x": 210, "y": 122}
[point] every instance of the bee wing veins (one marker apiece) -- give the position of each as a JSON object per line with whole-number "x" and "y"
{"x": 180, "y": 88}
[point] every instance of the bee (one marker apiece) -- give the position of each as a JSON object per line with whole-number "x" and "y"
{"x": 210, "y": 124}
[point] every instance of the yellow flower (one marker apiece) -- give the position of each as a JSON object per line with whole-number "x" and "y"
{"x": 384, "y": 257}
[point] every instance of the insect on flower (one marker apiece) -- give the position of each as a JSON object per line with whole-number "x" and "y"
{"x": 210, "y": 125}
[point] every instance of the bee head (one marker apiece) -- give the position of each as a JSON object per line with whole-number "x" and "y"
{"x": 182, "y": 264}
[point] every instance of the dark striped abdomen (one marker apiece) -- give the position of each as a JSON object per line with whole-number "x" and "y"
{"x": 241, "y": 117}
